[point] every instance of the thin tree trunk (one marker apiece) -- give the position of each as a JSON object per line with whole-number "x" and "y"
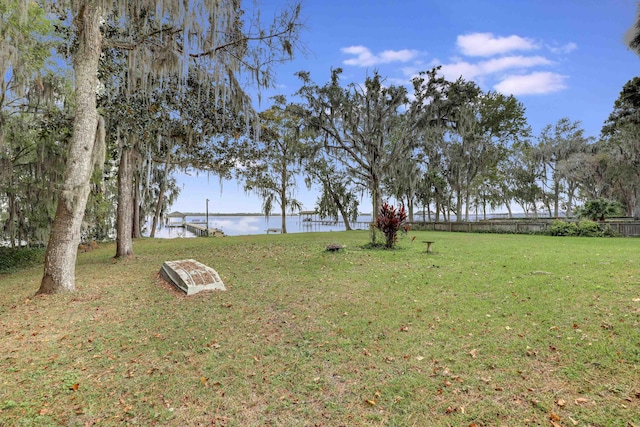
{"x": 376, "y": 201}
{"x": 124, "y": 242}
{"x": 136, "y": 229}
{"x": 458, "y": 205}
{"x": 283, "y": 211}
{"x": 11, "y": 221}
{"x": 467, "y": 198}
{"x": 376, "y": 197}
{"x": 62, "y": 248}
{"x": 410, "y": 206}
{"x": 156, "y": 214}
{"x": 556, "y": 199}
{"x": 283, "y": 198}
{"x": 163, "y": 188}
{"x": 569, "y": 210}
{"x": 343, "y": 212}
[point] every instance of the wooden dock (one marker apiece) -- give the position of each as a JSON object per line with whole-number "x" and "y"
{"x": 201, "y": 230}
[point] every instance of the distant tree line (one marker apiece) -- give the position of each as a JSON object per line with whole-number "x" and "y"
{"x": 448, "y": 149}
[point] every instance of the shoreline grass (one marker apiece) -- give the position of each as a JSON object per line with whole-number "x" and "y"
{"x": 488, "y": 330}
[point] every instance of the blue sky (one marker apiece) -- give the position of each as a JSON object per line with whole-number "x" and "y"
{"x": 562, "y": 58}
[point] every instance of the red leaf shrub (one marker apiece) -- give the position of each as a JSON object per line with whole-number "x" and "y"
{"x": 389, "y": 221}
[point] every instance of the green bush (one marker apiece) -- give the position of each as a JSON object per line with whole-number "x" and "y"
{"x": 607, "y": 231}
{"x": 563, "y": 228}
{"x": 598, "y": 209}
{"x": 587, "y": 228}
{"x": 16, "y": 259}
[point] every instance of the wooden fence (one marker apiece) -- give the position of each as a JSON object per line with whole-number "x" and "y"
{"x": 623, "y": 228}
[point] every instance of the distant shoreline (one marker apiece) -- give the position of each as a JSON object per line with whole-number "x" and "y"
{"x": 245, "y": 214}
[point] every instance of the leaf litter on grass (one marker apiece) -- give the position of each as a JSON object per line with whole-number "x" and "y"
{"x": 465, "y": 347}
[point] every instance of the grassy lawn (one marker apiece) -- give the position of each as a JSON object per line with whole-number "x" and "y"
{"x": 487, "y": 330}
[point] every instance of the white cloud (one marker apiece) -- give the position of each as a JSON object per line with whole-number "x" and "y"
{"x": 365, "y": 58}
{"x": 486, "y": 44}
{"x": 537, "y": 83}
{"x": 487, "y": 59}
{"x": 470, "y": 71}
{"x": 564, "y": 49}
{"x": 465, "y": 69}
{"x": 506, "y": 62}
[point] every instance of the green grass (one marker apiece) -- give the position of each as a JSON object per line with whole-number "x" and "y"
{"x": 488, "y": 330}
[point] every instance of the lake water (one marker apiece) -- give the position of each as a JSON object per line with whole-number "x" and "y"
{"x": 237, "y": 225}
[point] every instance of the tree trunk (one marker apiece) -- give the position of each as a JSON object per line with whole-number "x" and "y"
{"x": 156, "y": 215}
{"x": 62, "y": 248}
{"x": 136, "y": 230}
{"x": 410, "y": 207}
{"x": 341, "y": 209}
{"x": 124, "y": 227}
{"x": 467, "y": 198}
{"x": 283, "y": 211}
{"x": 458, "y": 205}
{"x": 556, "y": 199}
{"x": 376, "y": 197}
{"x": 163, "y": 187}
{"x": 283, "y": 198}
{"x": 376, "y": 201}
{"x": 11, "y": 221}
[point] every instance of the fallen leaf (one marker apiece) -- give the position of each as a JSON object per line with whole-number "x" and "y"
{"x": 474, "y": 353}
{"x": 554, "y": 417}
{"x": 450, "y": 410}
{"x": 404, "y": 328}
{"x": 581, "y": 401}
{"x": 204, "y": 380}
{"x": 419, "y": 358}
{"x": 74, "y": 387}
{"x": 636, "y": 300}
{"x": 371, "y": 402}
{"x": 561, "y": 402}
